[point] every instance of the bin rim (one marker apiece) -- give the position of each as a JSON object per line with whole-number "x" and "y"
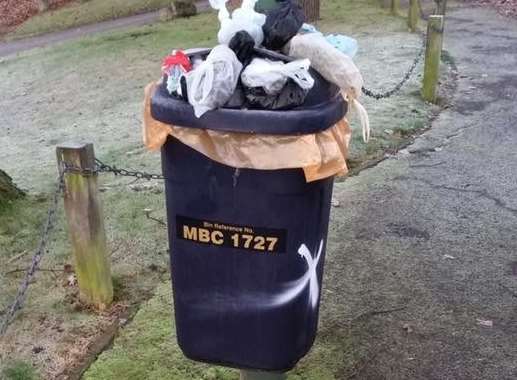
{"x": 301, "y": 120}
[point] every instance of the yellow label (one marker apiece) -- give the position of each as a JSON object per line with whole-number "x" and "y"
{"x": 267, "y": 240}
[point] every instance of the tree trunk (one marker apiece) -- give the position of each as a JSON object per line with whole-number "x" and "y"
{"x": 311, "y": 9}
{"x": 8, "y": 191}
{"x": 43, "y": 5}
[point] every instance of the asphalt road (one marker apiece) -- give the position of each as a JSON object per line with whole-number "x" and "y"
{"x": 423, "y": 249}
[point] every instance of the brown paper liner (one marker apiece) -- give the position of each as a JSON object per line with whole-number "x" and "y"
{"x": 320, "y": 155}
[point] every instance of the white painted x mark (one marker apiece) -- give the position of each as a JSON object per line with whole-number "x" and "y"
{"x": 309, "y": 278}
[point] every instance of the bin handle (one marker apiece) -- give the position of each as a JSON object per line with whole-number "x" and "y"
{"x": 264, "y": 53}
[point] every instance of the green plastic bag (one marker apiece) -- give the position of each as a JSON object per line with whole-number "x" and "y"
{"x": 266, "y": 5}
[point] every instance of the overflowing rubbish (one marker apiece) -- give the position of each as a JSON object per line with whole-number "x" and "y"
{"x": 282, "y": 24}
{"x": 247, "y": 72}
{"x": 213, "y": 82}
{"x": 274, "y": 82}
{"x": 291, "y": 95}
{"x": 242, "y": 45}
{"x": 273, "y": 75}
{"x": 244, "y": 18}
{"x": 334, "y": 66}
{"x": 275, "y": 85}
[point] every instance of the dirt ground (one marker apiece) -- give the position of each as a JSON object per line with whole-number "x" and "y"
{"x": 91, "y": 90}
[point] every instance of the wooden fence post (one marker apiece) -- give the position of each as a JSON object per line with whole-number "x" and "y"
{"x": 395, "y": 6}
{"x": 413, "y": 15}
{"x": 311, "y": 8}
{"x": 433, "y": 54}
{"x": 86, "y": 225}
{"x": 441, "y": 7}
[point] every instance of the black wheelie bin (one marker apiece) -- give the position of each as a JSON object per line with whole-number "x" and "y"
{"x": 247, "y": 246}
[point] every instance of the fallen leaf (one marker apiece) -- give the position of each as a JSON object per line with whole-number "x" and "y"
{"x": 485, "y": 322}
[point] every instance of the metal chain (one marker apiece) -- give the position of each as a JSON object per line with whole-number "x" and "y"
{"x": 387, "y": 94}
{"x": 105, "y": 168}
{"x": 36, "y": 259}
{"x": 100, "y": 167}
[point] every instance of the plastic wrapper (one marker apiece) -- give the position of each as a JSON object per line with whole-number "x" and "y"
{"x": 242, "y": 45}
{"x": 273, "y": 75}
{"x": 282, "y": 24}
{"x": 264, "y": 6}
{"x": 244, "y": 18}
{"x": 320, "y": 155}
{"x": 308, "y": 28}
{"x": 346, "y": 45}
{"x": 175, "y": 66}
{"x": 213, "y": 82}
{"x": 335, "y": 67}
{"x": 289, "y": 97}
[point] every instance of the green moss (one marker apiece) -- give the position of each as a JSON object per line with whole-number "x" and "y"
{"x": 147, "y": 349}
{"x": 20, "y": 222}
{"x": 19, "y": 370}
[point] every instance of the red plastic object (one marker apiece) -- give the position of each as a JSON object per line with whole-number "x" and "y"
{"x": 177, "y": 57}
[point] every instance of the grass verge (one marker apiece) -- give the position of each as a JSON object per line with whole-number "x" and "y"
{"x": 147, "y": 349}
{"x": 19, "y": 370}
{"x": 83, "y": 13}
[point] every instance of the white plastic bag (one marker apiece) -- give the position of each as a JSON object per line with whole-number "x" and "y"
{"x": 273, "y": 75}
{"x": 335, "y": 67}
{"x": 245, "y": 18}
{"x": 213, "y": 82}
